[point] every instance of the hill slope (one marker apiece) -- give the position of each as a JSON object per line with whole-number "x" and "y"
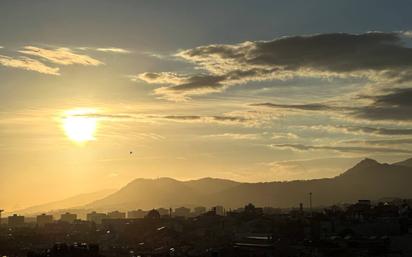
{"x": 366, "y": 180}
{"x": 407, "y": 163}
{"x": 148, "y": 193}
{"x": 71, "y": 202}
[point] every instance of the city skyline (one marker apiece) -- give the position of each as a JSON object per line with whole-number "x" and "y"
{"x": 96, "y": 94}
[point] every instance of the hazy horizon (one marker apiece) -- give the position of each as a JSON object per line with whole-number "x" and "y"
{"x": 94, "y": 94}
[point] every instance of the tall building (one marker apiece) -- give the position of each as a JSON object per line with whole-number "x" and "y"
{"x": 44, "y": 219}
{"x": 68, "y": 217}
{"x": 96, "y": 217}
{"x": 116, "y": 215}
{"x": 15, "y": 220}
{"x": 219, "y": 210}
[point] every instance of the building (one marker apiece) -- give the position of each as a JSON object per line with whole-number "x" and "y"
{"x": 44, "y": 219}
{"x": 199, "y": 210}
{"x": 252, "y": 210}
{"x": 16, "y": 220}
{"x": 136, "y": 214}
{"x": 163, "y": 211}
{"x": 182, "y": 212}
{"x": 96, "y": 217}
{"x": 364, "y": 202}
{"x": 116, "y": 215}
{"x": 219, "y": 210}
{"x": 270, "y": 210}
{"x": 62, "y": 249}
{"x": 153, "y": 214}
{"x": 68, "y": 217}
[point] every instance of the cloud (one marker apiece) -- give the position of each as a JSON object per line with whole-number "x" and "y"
{"x": 103, "y": 116}
{"x": 63, "y": 56}
{"x": 113, "y": 50}
{"x": 182, "y": 84}
{"x": 357, "y": 130}
{"x": 396, "y": 105}
{"x": 28, "y": 64}
{"x": 407, "y": 33}
{"x": 284, "y": 136}
{"x": 209, "y": 119}
{"x": 162, "y": 78}
{"x": 400, "y": 141}
{"x": 376, "y": 56}
{"x": 221, "y": 119}
{"x": 304, "y": 107}
{"x": 354, "y": 149}
{"x": 234, "y": 136}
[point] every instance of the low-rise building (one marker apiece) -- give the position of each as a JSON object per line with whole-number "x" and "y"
{"x": 136, "y": 214}
{"x": 15, "y": 220}
{"x": 44, "y": 219}
{"x": 96, "y": 217}
{"x": 199, "y": 210}
{"x": 68, "y": 217}
{"x": 163, "y": 211}
{"x": 182, "y": 212}
{"x": 116, "y": 215}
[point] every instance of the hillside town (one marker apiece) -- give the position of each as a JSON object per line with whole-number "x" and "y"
{"x": 364, "y": 228}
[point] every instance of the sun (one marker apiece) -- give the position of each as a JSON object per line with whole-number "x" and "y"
{"x": 79, "y": 125}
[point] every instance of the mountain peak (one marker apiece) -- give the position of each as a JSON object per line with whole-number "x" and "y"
{"x": 361, "y": 167}
{"x": 367, "y": 162}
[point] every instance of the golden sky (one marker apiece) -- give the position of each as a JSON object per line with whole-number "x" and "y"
{"x": 93, "y": 95}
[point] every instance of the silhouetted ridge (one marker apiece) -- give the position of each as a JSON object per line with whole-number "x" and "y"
{"x": 368, "y": 179}
{"x": 407, "y": 163}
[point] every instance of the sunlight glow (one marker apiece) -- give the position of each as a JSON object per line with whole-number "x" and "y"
{"x": 78, "y": 126}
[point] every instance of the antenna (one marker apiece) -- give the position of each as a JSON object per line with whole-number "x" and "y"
{"x": 310, "y": 203}
{"x": 1, "y": 210}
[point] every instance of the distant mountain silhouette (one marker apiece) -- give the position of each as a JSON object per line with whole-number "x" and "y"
{"x": 71, "y": 202}
{"x": 211, "y": 185}
{"x": 162, "y": 192}
{"x": 368, "y": 179}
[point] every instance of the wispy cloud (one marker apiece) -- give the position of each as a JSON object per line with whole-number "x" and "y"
{"x": 304, "y": 107}
{"x": 62, "y": 56}
{"x": 235, "y": 136}
{"x": 354, "y": 149}
{"x": 113, "y": 50}
{"x": 359, "y": 130}
{"x": 393, "y": 105}
{"x": 399, "y": 141}
{"x": 28, "y": 64}
{"x": 219, "y": 119}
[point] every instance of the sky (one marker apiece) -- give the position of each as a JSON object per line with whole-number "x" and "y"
{"x": 96, "y": 93}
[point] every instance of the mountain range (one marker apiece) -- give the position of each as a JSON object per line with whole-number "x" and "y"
{"x": 368, "y": 179}
{"x": 71, "y": 202}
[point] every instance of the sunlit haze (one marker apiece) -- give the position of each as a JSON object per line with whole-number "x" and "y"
{"x": 77, "y": 128}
